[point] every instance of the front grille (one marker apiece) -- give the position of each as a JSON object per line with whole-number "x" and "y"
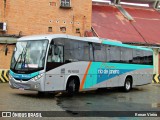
{"x": 21, "y": 79}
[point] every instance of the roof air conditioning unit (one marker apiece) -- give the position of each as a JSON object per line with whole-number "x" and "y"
{"x": 3, "y": 26}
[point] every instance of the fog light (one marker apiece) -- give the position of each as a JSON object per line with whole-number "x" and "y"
{"x": 37, "y": 85}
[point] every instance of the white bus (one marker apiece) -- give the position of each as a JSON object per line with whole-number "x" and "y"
{"x": 61, "y": 62}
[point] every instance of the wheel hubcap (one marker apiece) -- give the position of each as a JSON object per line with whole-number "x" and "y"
{"x": 128, "y": 85}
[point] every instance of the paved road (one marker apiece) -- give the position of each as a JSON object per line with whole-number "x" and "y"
{"x": 143, "y": 98}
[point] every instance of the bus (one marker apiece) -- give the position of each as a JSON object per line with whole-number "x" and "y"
{"x": 61, "y": 62}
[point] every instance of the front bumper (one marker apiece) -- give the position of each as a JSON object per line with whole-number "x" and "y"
{"x": 26, "y": 85}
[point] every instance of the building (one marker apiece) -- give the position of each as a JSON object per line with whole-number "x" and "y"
{"x": 111, "y": 19}
{"x": 46, "y": 16}
{"x": 129, "y": 24}
{"x": 21, "y": 17}
{"x": 6, "y": 51}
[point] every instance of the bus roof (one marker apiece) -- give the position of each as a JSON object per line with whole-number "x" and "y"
{"x": 87, "y": 39}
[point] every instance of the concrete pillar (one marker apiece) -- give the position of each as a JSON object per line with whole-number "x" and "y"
{"x": 159, "y": 63}
{"x": 156, "y": 60}
{"x": 116, "y": 1}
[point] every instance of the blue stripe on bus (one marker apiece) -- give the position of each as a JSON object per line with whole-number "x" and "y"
{"x": 100, "y": 72}
{"x": 110, "y": 73}
{"x": 23, "y": 76}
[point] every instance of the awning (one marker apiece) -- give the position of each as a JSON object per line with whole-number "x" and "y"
{"x": 8, "y": 40}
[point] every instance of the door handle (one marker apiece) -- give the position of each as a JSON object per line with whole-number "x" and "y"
{"x": 50, "y": 76}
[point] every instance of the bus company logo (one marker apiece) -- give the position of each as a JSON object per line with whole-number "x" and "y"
{"x": 6, "y": 114}
{"x": 108, "y": 71}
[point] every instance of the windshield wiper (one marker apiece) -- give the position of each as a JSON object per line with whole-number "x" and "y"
{"x": 20, "y": 56}
{"x": 24, "y": 61}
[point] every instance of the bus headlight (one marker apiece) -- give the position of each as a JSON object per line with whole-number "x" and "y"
{"x": 37, "y": 77}
{"x": 10, "y": 76}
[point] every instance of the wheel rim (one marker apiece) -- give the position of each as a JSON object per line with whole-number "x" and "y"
{"x": 72, "y": 86}
{"x": 128, "y": 85}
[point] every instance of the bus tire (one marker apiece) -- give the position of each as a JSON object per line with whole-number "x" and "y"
{"x": 72, "y": 86}
{"x": 127, "y": 84}
{"x": 40, "y": 93}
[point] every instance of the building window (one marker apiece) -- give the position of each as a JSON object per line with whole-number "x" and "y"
{"x": 77, "y": 30}
{"x": 65, "y": 3}
{"x": 49, "y": 29}
{"x": 63, "y": 29}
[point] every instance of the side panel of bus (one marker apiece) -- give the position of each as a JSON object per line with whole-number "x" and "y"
{"x": 100, "y": 65}
{"x": 114, "y": 74}
{"x": 94, "y": 75}
{"x": 56, "y": 79}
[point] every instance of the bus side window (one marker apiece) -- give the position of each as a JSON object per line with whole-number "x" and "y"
{"x": 49, "y": 59}
{"x": 114, "y": 54}
{"x": 148, "y": 57}
{"x": 90, "y": 51}
{"x": 55, "y": 53}
{"x": 137, "y": 56}
{"x": 100, "y": 53}
{"x": 76, "y": 51}
{"x": 126, "y": 55}
{"x": 83, "y": 51}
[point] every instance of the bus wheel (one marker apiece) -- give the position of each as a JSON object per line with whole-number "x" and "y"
{"x": 128, "y": 84}
{"x": 72, "y": 86}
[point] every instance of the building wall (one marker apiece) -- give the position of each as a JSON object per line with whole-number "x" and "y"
{"x": 5, "y": 59}
{"x": 26, "y": 17}
{"x": 1, "y": 10}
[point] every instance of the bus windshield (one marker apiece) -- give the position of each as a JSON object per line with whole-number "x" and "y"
{"x": 29, "y": 55}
